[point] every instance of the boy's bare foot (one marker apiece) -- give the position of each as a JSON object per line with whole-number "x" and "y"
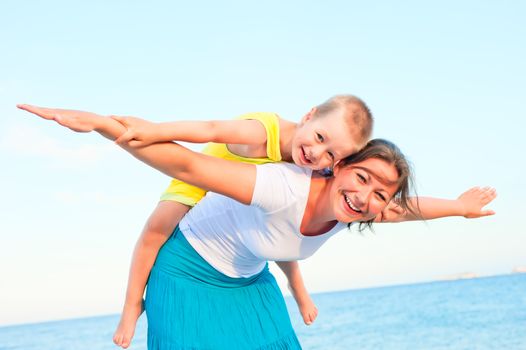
{"x": 126, "y": 329}
{"x": 306, "y": 306}
{"x": 308, "y": 311}
{"x": 78, "y": 121}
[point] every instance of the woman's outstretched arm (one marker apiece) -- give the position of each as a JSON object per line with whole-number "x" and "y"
{"x": 469, "y": 204}
{"x": 233, "y": 179}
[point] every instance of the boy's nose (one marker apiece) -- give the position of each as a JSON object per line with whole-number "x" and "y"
{"x": 313, "y": 156}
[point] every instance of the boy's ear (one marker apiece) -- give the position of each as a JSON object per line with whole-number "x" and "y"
{"x": 335, "y": 169}
{"x": 308, "y": 116}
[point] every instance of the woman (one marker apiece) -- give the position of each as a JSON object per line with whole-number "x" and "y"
{"x": 210, "y": 287}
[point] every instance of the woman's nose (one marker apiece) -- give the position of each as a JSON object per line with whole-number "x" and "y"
{"x": 362, "y": 198}
{"x": 359, "y": 199}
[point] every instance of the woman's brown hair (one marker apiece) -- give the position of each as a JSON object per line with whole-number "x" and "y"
{"x": 390, "y": 153}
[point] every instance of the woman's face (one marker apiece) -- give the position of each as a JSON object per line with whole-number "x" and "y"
{"x": 362, "y": 190}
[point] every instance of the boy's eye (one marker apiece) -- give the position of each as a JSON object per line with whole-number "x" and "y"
{"x": 319, "y": 137}
{"x": 331, "y": 155}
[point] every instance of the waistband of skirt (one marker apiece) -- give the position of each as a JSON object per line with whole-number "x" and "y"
{"x": 180, "y": 260}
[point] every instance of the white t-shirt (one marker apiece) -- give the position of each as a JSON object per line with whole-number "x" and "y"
{"x": 238, "y": 240}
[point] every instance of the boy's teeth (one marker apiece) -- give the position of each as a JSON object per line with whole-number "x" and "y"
{"x": 305, "y": 155}
{"x": 349, "y": 203}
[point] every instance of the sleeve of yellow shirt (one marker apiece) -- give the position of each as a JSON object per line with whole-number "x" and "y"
{"x": 184, "y": 193}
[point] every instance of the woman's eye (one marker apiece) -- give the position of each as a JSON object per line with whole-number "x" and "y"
{"x": 361, "y": 177}
{"x": 381, "y": 196}
{"x": 319, "y": 137}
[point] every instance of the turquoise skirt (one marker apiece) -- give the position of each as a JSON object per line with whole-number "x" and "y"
{"x": 191, "y": 305}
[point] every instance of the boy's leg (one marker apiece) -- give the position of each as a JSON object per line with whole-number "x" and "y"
{"x": 157, "y": 230}
{"x": 307, "y": 308}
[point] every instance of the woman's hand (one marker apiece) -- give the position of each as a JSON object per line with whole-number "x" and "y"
{"x": 475, "y": 199}
{"x": 78, "y": 121}
{"x": 139, "y": 132}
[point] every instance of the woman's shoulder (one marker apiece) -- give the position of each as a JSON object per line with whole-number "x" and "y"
{"x": 289, "y": 171}
{"x": 289, "y": 179}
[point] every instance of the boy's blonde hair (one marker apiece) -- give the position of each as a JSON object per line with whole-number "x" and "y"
{"x": 358, "y": 116}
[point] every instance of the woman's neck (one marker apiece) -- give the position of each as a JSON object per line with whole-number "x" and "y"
{"x": 287, "y": 130}
{"x": 318, "y": 217}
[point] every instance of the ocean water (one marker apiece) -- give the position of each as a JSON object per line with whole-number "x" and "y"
{"x": 485, "y": 313}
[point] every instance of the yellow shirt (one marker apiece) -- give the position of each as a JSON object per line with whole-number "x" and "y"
{"x": 184, "y": 193}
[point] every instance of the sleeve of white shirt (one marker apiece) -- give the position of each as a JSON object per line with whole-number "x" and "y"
{"x": 274, "y": 187}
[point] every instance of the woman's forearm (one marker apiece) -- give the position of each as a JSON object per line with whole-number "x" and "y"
{"x": 107, "y": 127}
{"x": 430, "y": 208}
{"x": 167, "y": 157}
{"x": 424, "y": 208}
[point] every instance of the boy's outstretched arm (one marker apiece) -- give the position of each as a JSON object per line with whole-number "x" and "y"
{"x": 141, "y": 132}
{"x": 469, "y": 204}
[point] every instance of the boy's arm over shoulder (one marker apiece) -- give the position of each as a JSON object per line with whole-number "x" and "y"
{"x": 266, "y": 144}
{"x": 239, "y": 131}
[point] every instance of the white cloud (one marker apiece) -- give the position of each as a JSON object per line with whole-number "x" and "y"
{"x": 97, "y": 197}
{"x": 30, "y": 141}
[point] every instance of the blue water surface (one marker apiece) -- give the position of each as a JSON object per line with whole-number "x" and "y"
{"x": 484, "y": 313}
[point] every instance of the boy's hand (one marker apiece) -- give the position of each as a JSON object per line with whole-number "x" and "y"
{"x": 139, "y": 132}
{"x": 78, "y": 121}
{"x": 473, "y": 200}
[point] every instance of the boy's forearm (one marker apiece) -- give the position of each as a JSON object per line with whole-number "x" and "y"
{"x": 219, "y": 131}
{"x": 187, "y": 131}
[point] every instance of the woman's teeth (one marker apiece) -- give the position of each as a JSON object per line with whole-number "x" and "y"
{"x": 349, "y": 203}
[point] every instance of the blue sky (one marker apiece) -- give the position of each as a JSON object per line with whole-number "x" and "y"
{"x": 445, "y": 81}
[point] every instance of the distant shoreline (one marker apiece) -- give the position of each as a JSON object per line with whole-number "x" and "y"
{"x": 392, "y": 286}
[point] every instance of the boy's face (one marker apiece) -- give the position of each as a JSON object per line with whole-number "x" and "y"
{"x": 322, "y": 141}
